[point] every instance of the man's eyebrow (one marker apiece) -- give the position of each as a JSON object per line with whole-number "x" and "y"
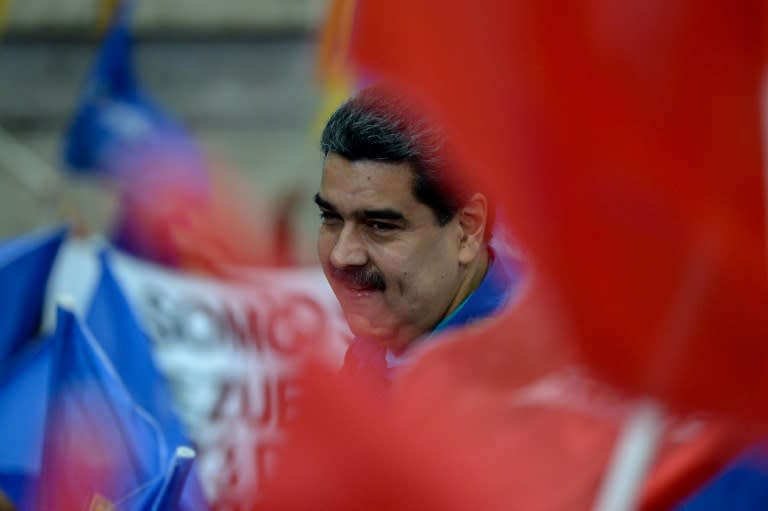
{"x": 369, "y": 214}
{"x": 383, "y": 214}
{"x": 324, "y": 204}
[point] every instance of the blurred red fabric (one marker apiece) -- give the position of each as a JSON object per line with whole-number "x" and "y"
{"x": 487, "y": 420}
{"x": 623, "y": 139}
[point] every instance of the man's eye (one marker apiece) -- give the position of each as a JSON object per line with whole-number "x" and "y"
{"x": 382, "y": 226}
{"x": 329, "y": 218}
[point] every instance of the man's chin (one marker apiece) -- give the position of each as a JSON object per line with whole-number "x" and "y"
{"x": 361, "y": 326}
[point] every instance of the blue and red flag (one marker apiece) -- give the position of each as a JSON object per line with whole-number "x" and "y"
{"x": 80, "y": 438}
{"x": 115, "y": 327}
{"x": 120, "y": 132}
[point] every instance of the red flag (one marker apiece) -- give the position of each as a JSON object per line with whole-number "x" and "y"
{"x": 485, "y": 419}
{"x": 623, "y": 138}
{"x": 538, "y": 412}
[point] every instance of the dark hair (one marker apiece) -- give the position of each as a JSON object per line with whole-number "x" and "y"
{"x": 378, "y": 124}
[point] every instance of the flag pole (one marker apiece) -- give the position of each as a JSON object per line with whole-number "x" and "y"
{"x": 632, "y": 458}
{"x": 170, "y": 493}
{"x": 764, "y": 145}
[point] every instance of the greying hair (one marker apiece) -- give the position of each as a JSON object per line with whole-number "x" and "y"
{"x": 379, "y": 125}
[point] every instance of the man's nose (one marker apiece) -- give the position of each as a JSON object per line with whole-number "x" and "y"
{"x": 348, "y": 249}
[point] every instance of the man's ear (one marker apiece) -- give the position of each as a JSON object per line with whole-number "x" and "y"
{"x": 472, "y": 218}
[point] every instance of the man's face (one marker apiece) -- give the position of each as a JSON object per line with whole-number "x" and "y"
{"x": 394, "y": 270}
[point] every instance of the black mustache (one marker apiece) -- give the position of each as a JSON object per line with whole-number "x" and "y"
{"x": 359, "y": 278}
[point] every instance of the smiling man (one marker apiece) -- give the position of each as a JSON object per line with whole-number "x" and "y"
{"x": 404, "y": 248}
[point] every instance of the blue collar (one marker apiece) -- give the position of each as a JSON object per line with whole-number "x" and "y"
{"x": 491, "y": 295}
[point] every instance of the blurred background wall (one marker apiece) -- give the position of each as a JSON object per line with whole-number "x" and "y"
{"x": 237, "y": 73}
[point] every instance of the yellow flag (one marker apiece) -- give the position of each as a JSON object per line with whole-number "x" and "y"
{"x": 332, "y": 68}
{"x": 104, "y": 14}
{"x": 5, "y": 12}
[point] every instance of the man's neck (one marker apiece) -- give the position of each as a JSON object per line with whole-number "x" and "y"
{"x": 475, "y": 273}
{"x": 474, "y": 277}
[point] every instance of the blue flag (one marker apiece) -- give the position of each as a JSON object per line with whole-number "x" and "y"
{"x": 86, "y": 441}
{"x": 98, "y": 442}
{"x": 114, "y": 115}
{"x": 741, "y": 486}
{"x": 116, "y": 328}
{"x": 25, "y": 265}
{"x": 119, "y": 132}
{"x": 24, "y": 392}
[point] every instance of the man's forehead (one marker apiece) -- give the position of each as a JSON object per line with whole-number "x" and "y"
{"x": 338, "y": 167}
{"x": 367, "y": 185}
